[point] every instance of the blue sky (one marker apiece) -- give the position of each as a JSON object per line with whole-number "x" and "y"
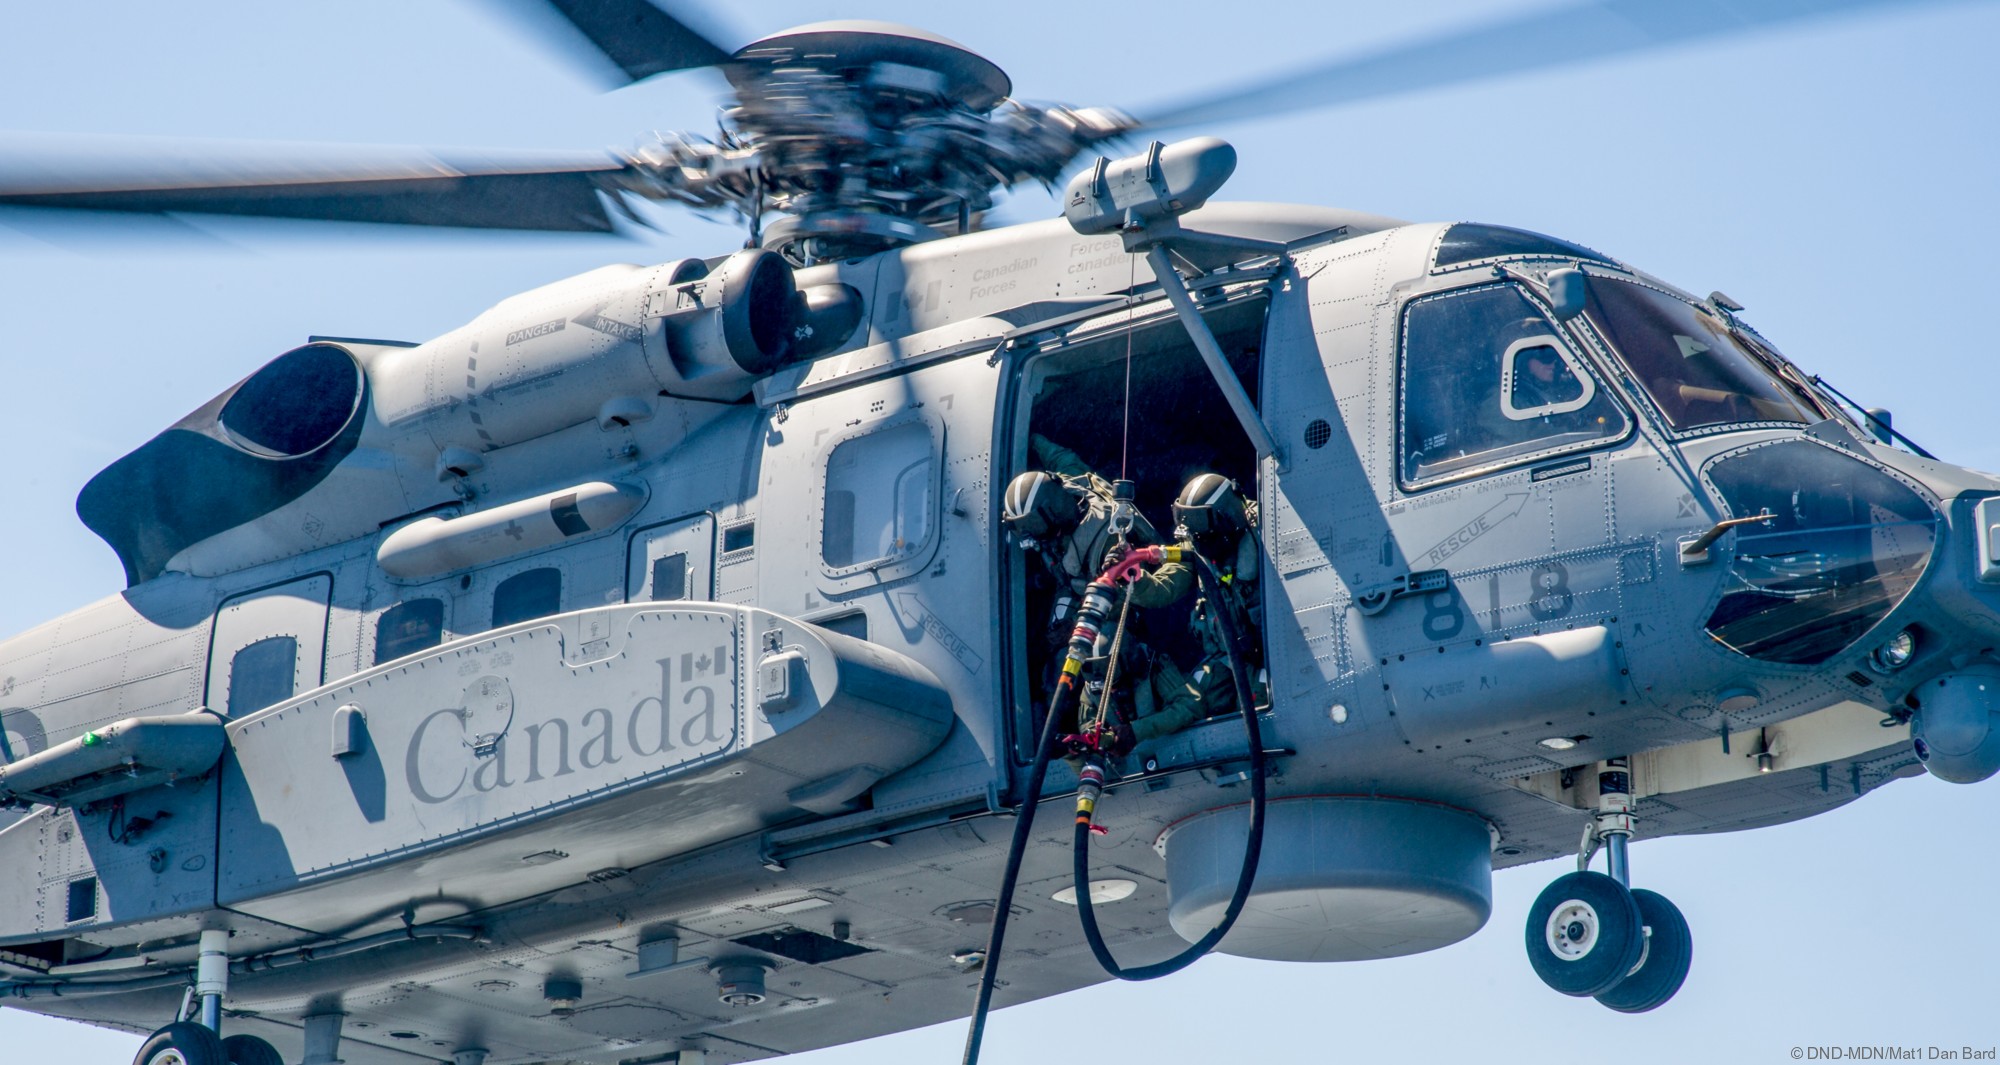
{"x": 1836, "y": 179}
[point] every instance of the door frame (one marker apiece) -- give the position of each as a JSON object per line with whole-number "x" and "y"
{"x": 309, "y": 668}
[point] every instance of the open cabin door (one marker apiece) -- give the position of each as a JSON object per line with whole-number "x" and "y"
{"x": 1131, "y": 400}
{"x": 269, "y": 645}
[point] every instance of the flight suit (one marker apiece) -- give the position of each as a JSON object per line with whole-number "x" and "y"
{"x": 1211, "y": 679}
{"x": 1155, "y": 698}
{"x": 1079, "y": 558}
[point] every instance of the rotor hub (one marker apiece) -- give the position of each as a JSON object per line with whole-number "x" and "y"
{"x": 881, "y": 54}
{"x": 870, "y": 136}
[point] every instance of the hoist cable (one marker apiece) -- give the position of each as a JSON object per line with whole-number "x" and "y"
{"x": 1125, "y": 435}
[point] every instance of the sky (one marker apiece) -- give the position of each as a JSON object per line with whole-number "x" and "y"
{"x": 1836, "y": 179}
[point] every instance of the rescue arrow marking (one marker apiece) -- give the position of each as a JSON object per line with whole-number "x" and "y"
{"x": 917, "y": 615}
{"x": 1474, "y": 529}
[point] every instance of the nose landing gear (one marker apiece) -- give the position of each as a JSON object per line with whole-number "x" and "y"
{"x": 1585, "y": 934}
{"x": 181, "y": 1043}
{"x": 188, "y": 1042}
{"x": 1663, "y": 965}
{"x": 1590, "y": 935}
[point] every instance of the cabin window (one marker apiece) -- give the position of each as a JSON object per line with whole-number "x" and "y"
{"x": 263, "y": 674}
{"x": 670, "y": 576}
{"x": 878, "y": 497}
{"x": 1489, "y": 380}
{"x": 409, "y": 627}
{"x": 536, "y": 593}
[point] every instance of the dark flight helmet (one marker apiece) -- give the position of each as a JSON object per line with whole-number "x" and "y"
{"x": 1209, "y": 505}
{"x": 1039, "y": 504}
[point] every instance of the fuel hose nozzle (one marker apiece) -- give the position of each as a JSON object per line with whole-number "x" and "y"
{"x": 1090, "y": 785}
{"x": 1090, "y": 615}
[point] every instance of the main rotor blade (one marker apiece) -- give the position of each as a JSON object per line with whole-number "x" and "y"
{"x": 544, "y": 191}
{"x": 1537, "y": 41}
{"x": 620, "y": 41}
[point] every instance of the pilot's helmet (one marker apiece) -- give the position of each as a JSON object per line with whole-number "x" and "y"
{"x": 1039, "y": 504}
{"x": 1209, "y": 505}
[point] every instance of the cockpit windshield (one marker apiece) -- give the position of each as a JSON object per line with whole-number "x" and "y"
{"x": 1697, "y": 369}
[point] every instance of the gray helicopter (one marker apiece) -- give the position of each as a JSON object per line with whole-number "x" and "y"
{"x": 1607, "y": 605}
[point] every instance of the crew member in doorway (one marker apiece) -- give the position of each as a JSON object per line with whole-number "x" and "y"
{"x": 1215, "y": 518}
{"x": 1068, "y": 516}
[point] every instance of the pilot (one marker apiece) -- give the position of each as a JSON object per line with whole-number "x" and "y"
{"x": 1537, "y": 379}
{"x": 1543, "y": 380}
{"x": 1215, "y": 518}
{"x": 1064, "y": 512}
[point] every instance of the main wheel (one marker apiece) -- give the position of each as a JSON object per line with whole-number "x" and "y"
{"x": 250, "y": 1050}
{"x": 1584, "y": 934}
{"x": 181, "y": 1043}
{"x": 1669, "y": 951}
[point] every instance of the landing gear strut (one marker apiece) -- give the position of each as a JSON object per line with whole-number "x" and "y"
{"x": 186, "y": 1042}
{"x": 1593, "y": 935}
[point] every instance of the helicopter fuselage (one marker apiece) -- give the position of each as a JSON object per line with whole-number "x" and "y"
{"x": 615, "y": 618}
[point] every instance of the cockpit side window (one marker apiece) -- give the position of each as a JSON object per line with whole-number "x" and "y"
{"x": 1688, "y": 360}
{"x": 1489, "y": 380}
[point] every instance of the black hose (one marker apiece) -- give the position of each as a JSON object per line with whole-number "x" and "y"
{"x": 1024, "y": 818}
{"x": 1253, "y": 845}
